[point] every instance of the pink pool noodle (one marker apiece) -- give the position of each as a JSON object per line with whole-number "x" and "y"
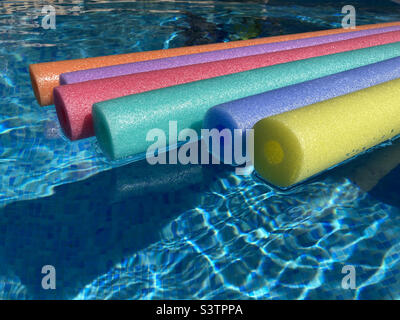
{"x": 173, "y": 62}
{"x": 74, "y": 101}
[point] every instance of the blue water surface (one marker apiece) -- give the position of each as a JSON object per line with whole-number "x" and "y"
{"x": 135, "y": 231}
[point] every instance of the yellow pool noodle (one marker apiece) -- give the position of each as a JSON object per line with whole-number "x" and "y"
{"x": 295, "y": 145}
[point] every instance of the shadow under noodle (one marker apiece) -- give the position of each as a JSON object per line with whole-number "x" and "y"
{"x": 377, "y": 173}
{"x": 87, "y": 227}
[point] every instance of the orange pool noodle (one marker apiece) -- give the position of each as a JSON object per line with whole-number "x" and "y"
{"x": 45, "y": 75}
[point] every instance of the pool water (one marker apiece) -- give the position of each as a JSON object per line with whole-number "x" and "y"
{"x": 135, "y": 231}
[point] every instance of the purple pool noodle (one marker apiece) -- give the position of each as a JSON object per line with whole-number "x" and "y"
{"x": 172, "y": 62}
{"x": 244, "y": 113}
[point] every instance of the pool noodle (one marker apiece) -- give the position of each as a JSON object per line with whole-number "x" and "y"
{"x": 121, "y": 124}
{"x": 293, "y": 146}
{"x": 74, "y": 102}
{"x": 244, "y": 113}
{"x": 45, "y": 75}
{"x": 179, "y": 61}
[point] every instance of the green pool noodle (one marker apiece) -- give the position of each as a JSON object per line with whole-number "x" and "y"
{"x": 293, "y": 146}
{"x": 121, "y": 124}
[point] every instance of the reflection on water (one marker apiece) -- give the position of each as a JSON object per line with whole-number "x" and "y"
{"x": 138, "y": 231}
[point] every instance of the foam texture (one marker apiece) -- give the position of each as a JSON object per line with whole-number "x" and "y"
{"x": 179, "y": 61}
{"x": 45, "y": 75}
{"x": 244, "y": 113}
{"x": 122, "y": 124}
{"x": 295, "y": 145}
{"x": 74, "y": 102}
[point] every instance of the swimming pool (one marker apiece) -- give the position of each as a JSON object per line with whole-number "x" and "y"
{"x": 133, "y": 231}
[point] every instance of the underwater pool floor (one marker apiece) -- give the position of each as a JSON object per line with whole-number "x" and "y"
{"x": 133, "y": 231}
